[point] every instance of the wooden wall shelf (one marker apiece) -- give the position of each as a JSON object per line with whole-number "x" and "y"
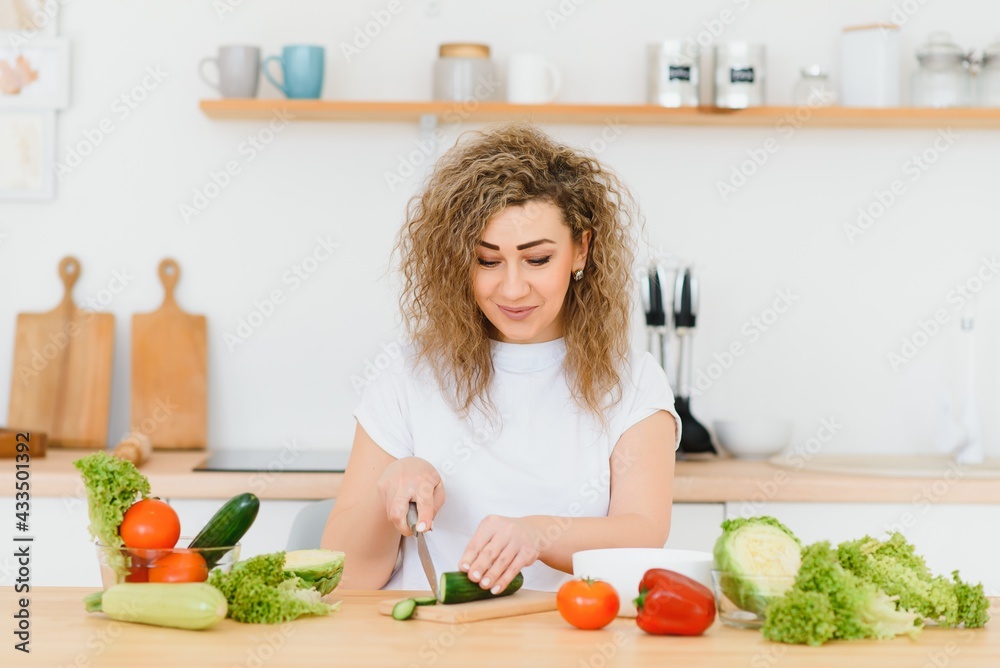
{"x": 590, "y": 114}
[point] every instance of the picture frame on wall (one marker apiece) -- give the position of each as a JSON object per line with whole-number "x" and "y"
{"x": 27, "y": 155}
{"x": 35, "y": 74}
{"x": 24, "y": 20}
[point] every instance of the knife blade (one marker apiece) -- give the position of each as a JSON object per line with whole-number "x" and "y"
{"x": 425, "y": 555}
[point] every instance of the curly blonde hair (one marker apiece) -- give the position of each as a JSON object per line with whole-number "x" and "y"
{"x": 471, "y": 183}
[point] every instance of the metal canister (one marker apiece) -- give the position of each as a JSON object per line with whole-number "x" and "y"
{"x": 739, "y": 75}
{"x": 672, "y": 68}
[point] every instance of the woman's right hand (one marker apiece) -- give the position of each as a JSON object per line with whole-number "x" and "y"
{"x": 411, "y": 479}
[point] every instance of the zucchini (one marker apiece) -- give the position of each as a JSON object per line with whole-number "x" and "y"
{"x": 227, "y": 526}
{"x": 189, "y": 605}
{"x": 458, "y": 588}
{"x": 404, "y": 609}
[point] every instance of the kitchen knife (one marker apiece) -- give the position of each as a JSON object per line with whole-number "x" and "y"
{"x": 425, "y": 556}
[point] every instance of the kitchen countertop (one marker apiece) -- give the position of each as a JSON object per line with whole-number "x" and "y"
{"x": 62, "y": 634}
{"x": 171, "y": 476}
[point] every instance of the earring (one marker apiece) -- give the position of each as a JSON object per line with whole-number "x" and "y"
{"x": 578, "y": 274}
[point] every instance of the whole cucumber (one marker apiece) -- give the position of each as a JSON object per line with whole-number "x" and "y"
{"x": 227, "y": 526}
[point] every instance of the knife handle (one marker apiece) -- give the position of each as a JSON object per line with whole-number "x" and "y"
{"x": 411, "y": 517}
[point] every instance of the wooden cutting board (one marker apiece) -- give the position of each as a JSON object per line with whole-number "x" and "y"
{"x": 61, "y": 380}
{"x": 169, "y": 371}
{"x": 524, "y": 602}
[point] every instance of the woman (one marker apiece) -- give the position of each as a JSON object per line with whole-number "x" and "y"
{"x": 516, "y": 418}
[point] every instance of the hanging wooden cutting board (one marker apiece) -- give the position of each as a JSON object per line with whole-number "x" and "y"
{"x": 523, "y": 602}
{"x": 61, "y": 380}
{"x": 169, "y": 371}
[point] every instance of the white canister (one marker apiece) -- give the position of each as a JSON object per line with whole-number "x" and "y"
{"x": 739, "y": 75}
{"x": 463, "y": 73}
{"x": 870, "y": 71}
{"x": 672, "y": 68}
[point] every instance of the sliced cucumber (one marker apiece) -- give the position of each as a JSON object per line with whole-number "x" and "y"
{"x": 425, "y": 600}
{"x": 404, "y": 609}
{"x": 458, "y": 588}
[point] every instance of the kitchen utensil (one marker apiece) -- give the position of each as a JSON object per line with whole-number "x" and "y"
{"x": 10, "y": 439}
{"x": 532, "y": 79}
{"x": 425, "y": 555}
{"x": 672, "y": 74}
{"x": 758, "y": 438}
{"x": 943, "y": 78}
{"x": 870, "y": 70}
{"x": 657, "y": 300}
{"x": 695, "y": 438}
{"x": 522, "y": 602}
{"x": 813, "y": 89}
{"x": 623, "y": 568}
{"x": 463, "y": 73}
{"x": 135, "y": 447}
{"x": 169, "y": 369}
{"x": 302, "y": 69}
{"x": 239, "y": 71}
{"x": 739, "y": 75}
{"x": 61, "y": 379}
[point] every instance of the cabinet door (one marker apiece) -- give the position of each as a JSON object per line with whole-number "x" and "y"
{"x": 62, "y": 552}
{"x": 695, "y": 526}
{"x": 269, "y": 532}
{"x": 948, "y": 536}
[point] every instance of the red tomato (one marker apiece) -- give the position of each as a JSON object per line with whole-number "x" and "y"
{"x": 137, "y": 574}
{"x": 150, "y": 523}
{"x": 587, "y": 604}
{"x": 179, "y": 567}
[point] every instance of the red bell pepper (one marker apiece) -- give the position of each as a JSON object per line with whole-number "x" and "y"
{"x": 673, "y": 604}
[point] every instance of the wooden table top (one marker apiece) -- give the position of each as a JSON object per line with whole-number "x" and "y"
{"x": 63, "y": 634}
{"x": 171, "y": 476}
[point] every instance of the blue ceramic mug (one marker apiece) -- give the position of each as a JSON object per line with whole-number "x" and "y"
{"x": 301, "y": 69}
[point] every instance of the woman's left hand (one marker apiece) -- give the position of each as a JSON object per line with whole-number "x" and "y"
{"x": 499, "y": 550}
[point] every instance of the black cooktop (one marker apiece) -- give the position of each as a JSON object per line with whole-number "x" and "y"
{"x": 265, "y": 461}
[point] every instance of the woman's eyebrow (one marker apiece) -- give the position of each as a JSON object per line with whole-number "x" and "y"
{"x": 530, "y": 244}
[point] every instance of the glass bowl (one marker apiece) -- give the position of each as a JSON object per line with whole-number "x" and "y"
{"x": 124, "y": 564}
{"x": 740, "y": 600}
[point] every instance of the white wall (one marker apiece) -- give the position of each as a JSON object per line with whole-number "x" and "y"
{"x": 783, "y": 230}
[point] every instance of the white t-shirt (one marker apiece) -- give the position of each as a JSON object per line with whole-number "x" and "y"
{"x": 548, "y": 458}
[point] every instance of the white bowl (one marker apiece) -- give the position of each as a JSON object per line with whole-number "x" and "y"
{"x": 623, "y": 568}
{"x": 753, "y": 439}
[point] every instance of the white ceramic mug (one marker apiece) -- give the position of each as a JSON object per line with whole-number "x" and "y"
{"x": 531, "y": 79}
